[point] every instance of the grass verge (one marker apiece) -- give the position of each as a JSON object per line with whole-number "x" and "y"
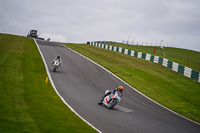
{"x": 161, "y": 84}
{"x": 184, "y": 57}
{"x": 27, "y": 103}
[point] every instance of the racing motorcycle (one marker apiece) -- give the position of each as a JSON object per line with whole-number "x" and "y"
{"x": 55, "y": 65}
{"x": 110, "y": 100}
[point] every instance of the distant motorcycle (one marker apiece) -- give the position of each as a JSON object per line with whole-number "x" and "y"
{"x": 55, "y": 65}
{"x": 110, "y": 100}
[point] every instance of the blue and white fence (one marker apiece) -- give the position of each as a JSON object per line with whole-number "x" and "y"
{"x": 190, "y": 73}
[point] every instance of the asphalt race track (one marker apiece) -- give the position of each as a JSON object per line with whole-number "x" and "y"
{"x": 81, "y": 83}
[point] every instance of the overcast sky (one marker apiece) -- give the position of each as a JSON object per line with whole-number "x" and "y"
{"x": 176, "y": 22}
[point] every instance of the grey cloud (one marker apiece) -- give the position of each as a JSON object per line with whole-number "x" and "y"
{"x": 174, "y": 21}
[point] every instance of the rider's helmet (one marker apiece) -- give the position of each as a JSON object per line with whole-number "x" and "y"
{"x": 58, "y": 57}
{"x": 120, "y": 89}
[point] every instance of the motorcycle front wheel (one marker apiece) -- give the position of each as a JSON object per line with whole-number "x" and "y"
{"x": 54, "y": 69}
{"x": 100, "y": 101}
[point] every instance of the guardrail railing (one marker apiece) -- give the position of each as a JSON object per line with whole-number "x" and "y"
{"x": 186, "y": 71}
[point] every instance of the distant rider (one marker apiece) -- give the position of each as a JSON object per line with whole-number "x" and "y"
{"x": 119, "y": 89}
{"x": 57, "y": 58}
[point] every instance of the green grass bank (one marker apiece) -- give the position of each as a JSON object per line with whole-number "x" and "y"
{"x": 184, "y": 57}
{"x": 27, "y": 103}
{"x": 161, "y": 84}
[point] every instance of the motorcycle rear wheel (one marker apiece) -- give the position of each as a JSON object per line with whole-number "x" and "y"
{"x": 100, "y": 102}
{"x": 112, "y": 104}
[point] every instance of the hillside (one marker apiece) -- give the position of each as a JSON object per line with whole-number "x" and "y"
{"x": 184, "y": 57}
{"x": 27, "y": 103}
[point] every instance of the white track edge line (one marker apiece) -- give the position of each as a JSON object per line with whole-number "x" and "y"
{"x": 133, "y": 87}
{"x": 52, "y": 83}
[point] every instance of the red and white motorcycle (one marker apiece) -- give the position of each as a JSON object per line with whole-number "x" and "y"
{"x": 110, "y": 100}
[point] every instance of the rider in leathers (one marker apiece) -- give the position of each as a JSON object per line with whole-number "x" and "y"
{"x": 57, "y": 58}
{"x": 119, "y": 89}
